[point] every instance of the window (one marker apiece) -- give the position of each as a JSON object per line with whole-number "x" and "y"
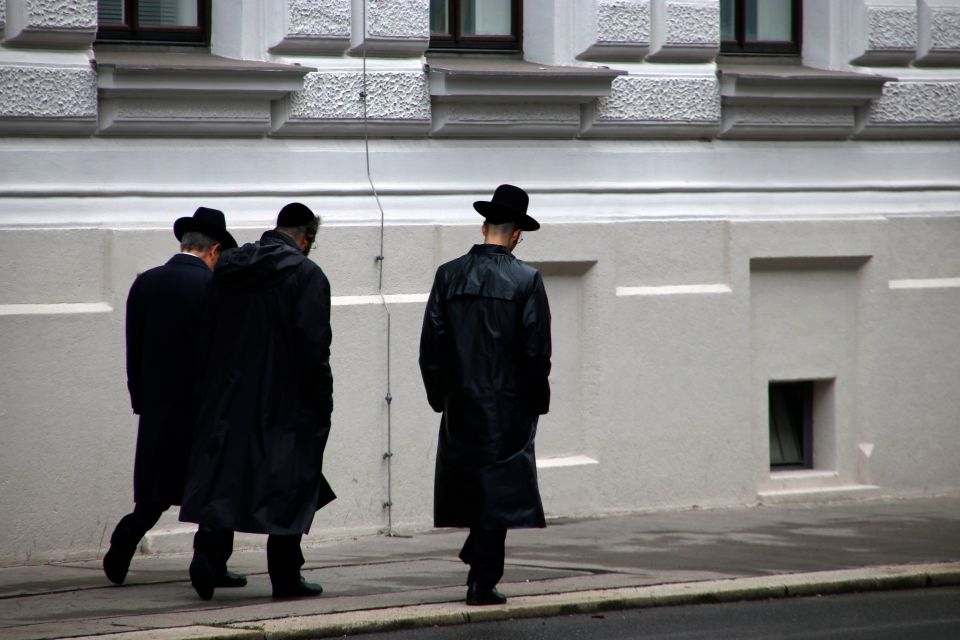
{"x": 167, "y": 21}
{"x": 475, "y": 24}
{"x": 760, "y": 26}
{"x": 791, "y": 425}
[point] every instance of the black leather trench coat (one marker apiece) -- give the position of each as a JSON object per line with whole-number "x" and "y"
{"x": 163, "y": 317}
{"x": 267, "y": 393}
{"x": 485, "y": 358}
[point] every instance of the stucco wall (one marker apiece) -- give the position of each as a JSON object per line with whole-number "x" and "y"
{"x": 672, "y": 310}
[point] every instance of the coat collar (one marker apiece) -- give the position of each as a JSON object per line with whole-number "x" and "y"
{"x": 490, "y": 249}
{"x": 188, "y": 260}
{"x": 275, "y": 237}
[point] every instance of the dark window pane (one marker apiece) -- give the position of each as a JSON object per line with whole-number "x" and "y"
{"x": 790, "y": 423}
{"x": 439, "y": 17}
{"x": 167, "y": 13}
{"x": 110, "y": 12}
{"x": 728, "y": 20}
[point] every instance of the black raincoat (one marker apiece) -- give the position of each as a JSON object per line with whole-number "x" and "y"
{"x": 485, "y": 358}
{"x": 267, "y": 393}
{"x": 163, "y": 318}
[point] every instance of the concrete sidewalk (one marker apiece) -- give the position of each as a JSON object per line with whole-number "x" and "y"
{"x": 376, "y": 582}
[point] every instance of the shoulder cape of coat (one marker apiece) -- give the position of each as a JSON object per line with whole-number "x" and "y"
{"x": 485, "y": 358}
{"x": 267, "y": 393}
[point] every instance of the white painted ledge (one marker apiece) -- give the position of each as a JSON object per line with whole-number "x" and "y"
{"x": 925, "y": 283}
{"x": 674, "y": 290}
{"x": 820, "y": 495}
{"x": 565, "y": 461}
{"x": 812, "y": 486}
{"x": 54, "y": 309}
{"x": 395, "y": 298}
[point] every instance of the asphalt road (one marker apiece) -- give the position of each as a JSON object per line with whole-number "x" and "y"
{"x": 924, "y": 614}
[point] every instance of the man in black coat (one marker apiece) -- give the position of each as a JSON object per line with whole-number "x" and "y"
{"x": 163, "y": 317}
{"x": 485, "y": 358}
{"x": 266, "y": 403}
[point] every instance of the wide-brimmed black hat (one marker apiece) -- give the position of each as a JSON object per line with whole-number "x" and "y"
{"x": 209, "y": 222}
{"x": 295, "y": 214}
{"x": 509, "y": 204}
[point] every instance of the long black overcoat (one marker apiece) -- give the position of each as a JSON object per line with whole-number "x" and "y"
{"x": 163, "y": 317}
{"x": 485, "y": 358}
{"x": 267, "y": 393}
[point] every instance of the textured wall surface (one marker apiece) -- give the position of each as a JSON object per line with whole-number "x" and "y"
{"x": 623, "y": 21}
{"x": 692, "y": 100}
{"x": 692, "y": 23}
{"x": 945, "y": 28}
{"x": 940, "y": 29}
{"x": 685, "y": 31}
{"x": 393, "y": 95}
{"x": 398, "y": 19}
{"x": 45, "y": 92}
{"x": 891, "y": 28}
{"x": 62, "y": 14}
{"x": 318, "y": 17}
{"x": 918, "y": 103}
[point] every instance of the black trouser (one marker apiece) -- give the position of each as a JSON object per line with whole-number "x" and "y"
{"x": 133, "y": 526}
{"x": 216, "y": 545}
{"x": 484, "y": 551}
{"x": 284, "y": 557}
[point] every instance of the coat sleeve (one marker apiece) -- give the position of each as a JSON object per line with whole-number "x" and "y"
{"x": 431, "y": 348}
{"x": 134, "y": 333}
{"x": 313, "y": 337}
{"x": 537, "y": 346}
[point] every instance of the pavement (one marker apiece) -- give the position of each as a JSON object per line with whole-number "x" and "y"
{"x": 377, "y": 583}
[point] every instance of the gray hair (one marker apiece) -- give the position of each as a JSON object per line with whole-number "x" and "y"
{"x": 196, "y": 241}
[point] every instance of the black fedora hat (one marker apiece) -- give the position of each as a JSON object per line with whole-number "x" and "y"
{"x": 209, "y": 222}
{"x": 509, "y": 204}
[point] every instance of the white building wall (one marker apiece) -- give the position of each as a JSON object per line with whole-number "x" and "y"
{"x": 704, "y": 232}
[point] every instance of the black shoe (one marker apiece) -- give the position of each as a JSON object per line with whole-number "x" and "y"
{"x": 299, "y": 589}
{"x": 230, "y": 580}
{"x": 202, "y": 577}
{"x": 480, "y": 597}
{"x": 116, "y": 562}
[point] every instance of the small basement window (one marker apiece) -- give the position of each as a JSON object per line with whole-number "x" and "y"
{"x": 791, "y": 425}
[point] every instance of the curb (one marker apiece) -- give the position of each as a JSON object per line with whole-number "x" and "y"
{"x": 592, "y": 601}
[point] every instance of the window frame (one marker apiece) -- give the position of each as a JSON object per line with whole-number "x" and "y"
{"x": 132, "y": 32}
{"x": 739, "y": 45}
{"x": 454, "y": 41}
